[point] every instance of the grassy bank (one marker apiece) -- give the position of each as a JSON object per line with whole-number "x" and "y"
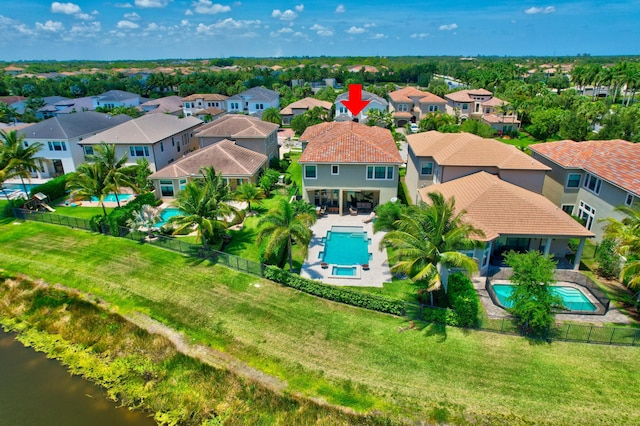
{"x": 363, "y": 360}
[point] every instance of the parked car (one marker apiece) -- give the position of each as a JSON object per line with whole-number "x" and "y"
{"x": 414, "y": 128}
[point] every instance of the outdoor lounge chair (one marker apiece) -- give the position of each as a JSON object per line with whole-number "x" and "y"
{"x": 353, "y": 212}
{"x": 369, "y": 218}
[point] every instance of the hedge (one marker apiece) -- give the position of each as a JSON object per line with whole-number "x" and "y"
{"x": 54, "y": 189}
{"x": 337, "y": 294}
{"x": 119, "y": 216}
{"x": 463, "y": 299}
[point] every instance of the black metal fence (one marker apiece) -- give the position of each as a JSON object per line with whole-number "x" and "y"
{"x": 413, "y": 311}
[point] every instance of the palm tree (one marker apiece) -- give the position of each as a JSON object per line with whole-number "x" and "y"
{"x": 281, "y": 227}
{"x": 249, "y": 192}
{"x": 24, "y": 157}
{"x": 626, "y": 233}
{"x": 105, "y": 155}
{"x": 89, "y": 180}
{"x": 7, "y": 171}
{"x": 272, "y": 115}
{"x": 145, "y": 218}
{"x": 428, "y": 236}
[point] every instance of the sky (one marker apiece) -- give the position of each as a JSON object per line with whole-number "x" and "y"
{"x": 167, "y": 29}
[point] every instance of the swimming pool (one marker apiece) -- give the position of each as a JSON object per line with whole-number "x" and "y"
{"x": 572, "y": 298}
{"x": 346, "y": 245}
{"x": 111, "y": 198}
{"x": 20, "y": 186}
{"x": 167, "y": 214}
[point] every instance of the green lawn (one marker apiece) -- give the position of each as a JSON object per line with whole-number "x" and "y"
{"x": 344, "y": 355}
{"x": 79, "y": 211}
{"x": 295, "y": 169}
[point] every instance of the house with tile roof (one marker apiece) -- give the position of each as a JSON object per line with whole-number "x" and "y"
{"x": 171, "y": 105}
{"x": 161, "y": 139}
{"x": 410, "y": 105}
{"x": 198, "y": 102}
{"x": 343, "y": 113}
{"x": 210, "y": 114}
{"x": 511, "y": 218}
{"x": 60, "y": 137}
{"x": 589, "y": 179}
{"x": 480, "y": 104}
{"x": 246, "y": 131}
{"x": 237, "y": 165}
{"x": 435, "y": 158}
{"x": 116, "y": 98}
{"x": 348, "y": 165}
{"x": 253, "y": 101}
{"x": 300, "y": 107}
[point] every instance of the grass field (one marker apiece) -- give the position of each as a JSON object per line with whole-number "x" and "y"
{"x": 344, "y": 355}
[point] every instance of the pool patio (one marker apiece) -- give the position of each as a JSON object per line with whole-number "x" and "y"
{"x": 378, "y": 272}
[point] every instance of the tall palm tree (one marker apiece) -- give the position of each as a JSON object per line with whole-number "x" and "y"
{"x": 272, "y": 115}
{"x": 429, "y": 235}
{"x": 89, "y": 180}
{"x": 626, "y": 233}
{"x": 249, "y": 193}
{"x": 114, "y": 167}
{"x": 282, "y": 226}
{"x": 24, "y": 157}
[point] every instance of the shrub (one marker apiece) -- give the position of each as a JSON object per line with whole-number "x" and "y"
{"x": 121, "y": 215}
{"x": 463, "y": 299}
{"x": 54, "y": 189}
{"x": 608, "y": 260}
{"x": 440, "y": 316}
{"x": 7, "y": 209}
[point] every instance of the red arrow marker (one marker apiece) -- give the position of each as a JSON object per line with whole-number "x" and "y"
{"x": 355, "y": 104}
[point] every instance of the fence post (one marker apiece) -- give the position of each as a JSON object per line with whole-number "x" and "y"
{"x": 635, "y": 337}
{"x": 613, "y": 331}
{"x": 566, "y": 335}
{"x": 589, "y": 336}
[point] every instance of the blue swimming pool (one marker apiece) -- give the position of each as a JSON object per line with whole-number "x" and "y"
{"x": 20, "y": 187}
{"x": 344, "y": 271}
{"x": 346, "y": 245}
{"x": 111, "y": 198}
{"x": 167, "y": 214}
{"x": 572, "y": 298}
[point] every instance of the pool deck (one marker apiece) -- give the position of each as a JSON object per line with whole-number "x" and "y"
{"x": 378, "y": 272}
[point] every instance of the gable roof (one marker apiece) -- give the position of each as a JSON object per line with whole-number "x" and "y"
{"x": 225, "y": 156}
{"x": 237, "y": 126}
{"x": 501, "y": 208}
{"x": 206, "y": 97}
{"x": 213, "y": 111}
{"x": 465, "y": 95}
{"x": 69, "y": 106}
{"x": 306, "y": 103}
{"x": 116, "y": 96}
{"x": 147, "y": 129}
{"x": 256, "y": 94}
{"x": 70, "y": 126}
{"x": 349, "y": 142}
{"x": 616, "y": 161}
{"x": 405, "y": 94}
{"x": 466, "y": 149}
{"x": 166, "y": 105}
{"x": 367, "y": 96}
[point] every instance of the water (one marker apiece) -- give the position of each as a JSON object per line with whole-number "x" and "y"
{"x": 20, "y": 187}
{"x": 346, "y": 246}
{"x": 572, "y": 298}
{"x": 167, "y": 214}
{"x": 35, "y": 390}
{"x": 344, "y": 271}
{"x": 111, "y": 198}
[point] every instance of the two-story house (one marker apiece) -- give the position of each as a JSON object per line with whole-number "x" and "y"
{"x": 435, "y": 157}
{"x": 60, "y": 137}
{"x": 116, "y": 98}
{"x": 253, "y": 101}
{"x": 300, "y": 107}
{"x": 349, "y": 166}
{"x": 590, "y": 179}
{"x": 161, "y": 139}
{"x": 193, "y": 104}
{"x": 410, "y": 105}
{"x": 171, "y": 105}
{"x": 343, "y": 113}
{"x": 480, "y": 104}
{"x": 246, "y": 131}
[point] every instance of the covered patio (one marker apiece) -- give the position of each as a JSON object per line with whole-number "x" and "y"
{"x": 344, "y": 201}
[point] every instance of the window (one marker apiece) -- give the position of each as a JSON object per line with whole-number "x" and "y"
{"x": 342, "y": 110}
{"x": 166, "y": 188}
{"x": 403, "y": 107}
{"x": 310, "y": 172}
{"x": 259, "y": 106}
{"x": 629, "y": 200}
{"x": 573, "y": 180}
{"x": 592, "y": 183}
{"x": 139, "y": 151}
{"x": 234, "y": 105}
{"x": 239, "y": 181}
{"x": 587, "y": 214}
{"x": 465, "y": 107}
{"x": 57, "y": 146}
{"x": 426, "y": 167}
{"x": 433, "y": 108}
{"x": 487, "y": 110}
{"x": 187, "y": 105}
{"x": 379, "y": 172}
{"x": 567, "y": 208}
{"x": 335, "y": 169}
{"x": 183, "y": 183}
{"x": 88, "y": 150}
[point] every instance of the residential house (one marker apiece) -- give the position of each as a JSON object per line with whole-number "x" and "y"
{"x": 300, "y": 107}
{"x": 349, "y": 166}
{"x": 410, "y": 105}
{"x": 590, "y": 179}
{"x": 70, "y": 106}
{"x": 171, "y": 105}
{"x": 480, "y": 104}
{"x": 13, "y": 70}
{"x": 511, "y": 218}
{"x": 253, "y": 101}
{"x": 210, "y": 114}
{"x": 161, "y": 139}
{"x": 116, "y": 98}
{"x": 60, "y": 137}
{"x": 196, "y": 103}
{"x": 246, "y": 131}
{"x": 343, "y": 113}
{"x": 237, "y": 165}
{"x": 435, "y": 157}
{"x": 49, "y": 108}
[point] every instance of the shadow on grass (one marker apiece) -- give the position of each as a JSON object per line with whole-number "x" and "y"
{"x": 240, "y": 241}
{"x": 435, "y": 330}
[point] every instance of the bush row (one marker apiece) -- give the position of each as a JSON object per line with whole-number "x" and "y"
{"x": 463, "y": 299}
{"x": 337, "y": 294}
{"x": 54, "y": 189}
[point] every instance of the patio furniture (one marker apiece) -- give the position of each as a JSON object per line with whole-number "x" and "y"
{"x": 365, "y": 266}
{"x": 369, "y": 218}
{"x": 352, "y": 211}
{"x": 324, "y": 265}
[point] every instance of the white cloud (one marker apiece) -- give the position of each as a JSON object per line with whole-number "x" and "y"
{"x": 287, "y": 15}
{"x": 84, "y": 16}
{"x": 448, "y": 27}
{"x": 52, "y": 26}
{"x": 66, "y": 8}
{"x": 226, "y": 24}
{"x": 184, "y": 22}
{"x": 132, "y": 16}
{"x": 419, "y": 35}
{"x": 152, "y": 27}
{"x": 207, "y": 7}
{"x": 127, "y": 25}
{"x": 535, "y": 10}
{"x": 299, "y": 8}
{"x": 91, "y": 29}
{"x": 322, "y": 30}
{"x": 371, "y": 25}
{"x": 355, "y": 30}
{"x": 378, "y": 36}
{"x": 285, "y": 30}
{"x": 340, "y": 9}
{"x": 124, "y": 5}
{"x": 151, "y": 3}
{"x": 188, "y": 12}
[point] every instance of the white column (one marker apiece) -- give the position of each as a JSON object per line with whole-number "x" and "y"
{"x": 547, "y": 246}
{"x": 340, "y": 194}
{"x": 576, "y": 261}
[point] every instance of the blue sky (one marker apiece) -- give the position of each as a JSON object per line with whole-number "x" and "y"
{"x": 157, "y": 29}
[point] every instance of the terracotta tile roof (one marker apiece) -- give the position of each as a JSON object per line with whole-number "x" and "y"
{"x": 405, "y": 94}
{"x": 501, "y": 208}
{"x": 206, "y": 97}
{"x": 401, "y": 114}
{"x": 349, "y": 142}
{"x": 213, "y": 111}
{"x": 466, "y": 149}
{"x": 237, "y": 125}
{"x": 465, "y": 95}
{"x": 493, "y": 118}
{"x": 616, "y": 161}
{"x": 225, "y": 156}
{"x": 306, "y": 103}
{"x": 494, "y": 102}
